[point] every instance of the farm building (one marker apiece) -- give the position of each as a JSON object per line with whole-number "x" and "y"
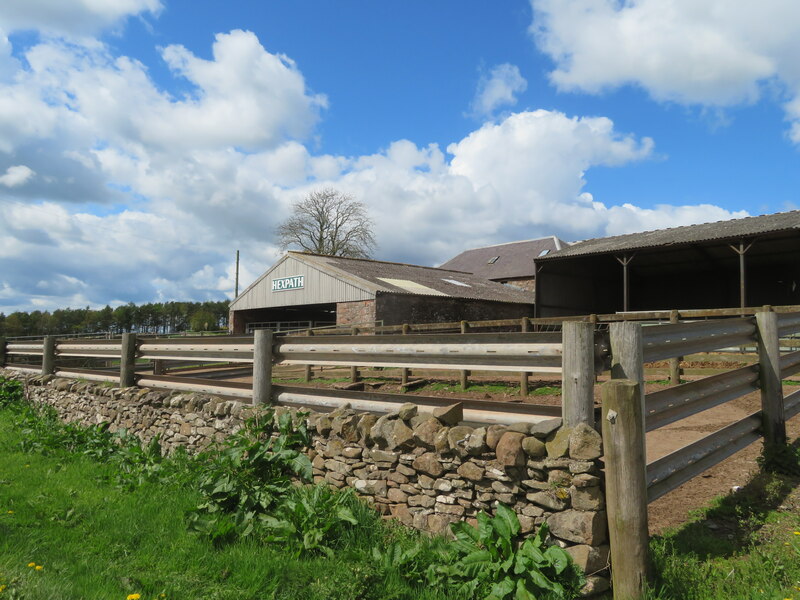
{"x": 510, "y": 263}
{"x": 741, "y": 262}
{"x": 309, "y": 290}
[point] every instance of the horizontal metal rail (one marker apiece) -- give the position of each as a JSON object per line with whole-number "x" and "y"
{"x": 675, "y": 469}
{"x": 668, "y": 341}
{"x": 24, "y": 368}
{"x": 25, "y": 349}
{"x": 676, "y": 403}
{"x": 788, "y": 323}
{"x": 233, "y": 349}
{"x": 88, "y": 374}
{"x": 532, "y": 352}
{"x": 89, "y": 349}
{"x": 476, "y": 411}
{"x": 790, "y": 364}
{"x": 190, "y": 384}
{"x": 791, "y": 405}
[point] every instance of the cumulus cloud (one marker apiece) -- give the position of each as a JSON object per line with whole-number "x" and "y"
{"x": 131, "y": 194}
{"x": 72, "y": 18}
{"x": 498, "y": 88}
{"x": 705, "y": 52}
{"x": 16, "y": 176}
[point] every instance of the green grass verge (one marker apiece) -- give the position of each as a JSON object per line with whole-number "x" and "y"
{"x": 745, "y": 546}
{"x": 94, "y": 540}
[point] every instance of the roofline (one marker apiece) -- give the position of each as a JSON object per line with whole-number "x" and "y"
{"x": 554, "y": 238}
{"x": 724, "y": 239}
{"x": 372, "y": 260}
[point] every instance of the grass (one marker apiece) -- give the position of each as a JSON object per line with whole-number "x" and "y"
{"x": 95, "y": 540}
{"x": 745, "y": 546}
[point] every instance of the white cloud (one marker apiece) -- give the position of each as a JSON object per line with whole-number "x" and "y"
{"x": 138, "y": 195}
{"x": 16, "y": 176}
{"x": 709, "y": 52}
{"x": 498, "y": 88}
{"x": 71, "y": 17}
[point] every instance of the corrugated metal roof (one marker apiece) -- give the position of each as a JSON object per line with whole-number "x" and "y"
{"x": 688, "y": 234}
{"x": 457, "y": 284}
{"x": 514, "y": 259}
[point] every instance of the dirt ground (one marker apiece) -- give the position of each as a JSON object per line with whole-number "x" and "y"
{"x": 668, "y": 511}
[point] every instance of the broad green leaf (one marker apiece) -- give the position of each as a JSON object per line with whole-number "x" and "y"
{"x": 558, "y": 557}
{"x": 522, "y": 592}
{"x": 501, "y": 590}
{"x": 508, "y": 516}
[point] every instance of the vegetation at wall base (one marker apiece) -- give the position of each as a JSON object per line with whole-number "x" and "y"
{"x": 745, "y": 546}
{"x": 86, "y": 513}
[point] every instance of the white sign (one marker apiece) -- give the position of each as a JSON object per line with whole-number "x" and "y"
{"x": 296, "y": 282}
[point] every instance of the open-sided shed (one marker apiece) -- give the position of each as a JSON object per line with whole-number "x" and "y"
{"x": 741, "y": 262}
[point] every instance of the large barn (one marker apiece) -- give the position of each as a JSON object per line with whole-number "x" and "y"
{"x": 304, "y": 290}
{"x": 741, "y": 262}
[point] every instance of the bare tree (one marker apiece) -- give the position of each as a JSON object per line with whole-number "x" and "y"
{"x": 329, "y": 222}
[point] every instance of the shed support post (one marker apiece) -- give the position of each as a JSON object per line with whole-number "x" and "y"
{"x": 577, "y": 388}
{"x": 741, "y": 250}
{"x": 49, "y": 355}
{"x": 626, "y": 487}
{"x": 464, "y": 375}
{"x": 770, "y": 379}
{"x": 262, "y": 367}
{"x": 523, "y": 377}
{"x": 625, "y": 260}
{"x": 674, "y": 363}
{"x": 127, "y": 361}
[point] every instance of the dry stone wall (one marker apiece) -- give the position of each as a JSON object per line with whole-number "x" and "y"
{"x": 426, "y": 470}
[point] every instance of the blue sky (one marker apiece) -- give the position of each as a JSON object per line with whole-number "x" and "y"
{"x": 142, "y": 142}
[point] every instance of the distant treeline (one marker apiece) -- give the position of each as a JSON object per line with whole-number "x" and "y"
{"x": 156, "y": 317}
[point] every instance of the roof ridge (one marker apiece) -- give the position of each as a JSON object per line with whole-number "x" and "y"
{"x": 372, "y": 260}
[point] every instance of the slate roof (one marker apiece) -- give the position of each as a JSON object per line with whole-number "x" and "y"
{"x": 373, "y": 273}
{"x": 719, "y": 230}
{"x": 515, "y": 259}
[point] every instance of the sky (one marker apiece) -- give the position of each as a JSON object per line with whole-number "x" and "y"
{"x": 144, "y": 142}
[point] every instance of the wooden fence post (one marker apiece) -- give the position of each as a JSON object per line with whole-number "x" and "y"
{"x": 674, "y": 363}
{"x": 523, "y": 377}
{"x": 354, "y": 374}
{"x": 627, "y": 356}
{"x": 626, "y": 487}
{"x": 464, "y": 375}
{"x": 307, "y": 371}
{"x": 2, "y": 352}
{"x": 577, "y": 388}
{"x": 770, "y": 379}
{"x": 49, "y": 355}
{"x": 262, "y": 366}
{"x": 127, "y": 361}
{"x": 159, "y": 367}
{"x": 405, "y": 371}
